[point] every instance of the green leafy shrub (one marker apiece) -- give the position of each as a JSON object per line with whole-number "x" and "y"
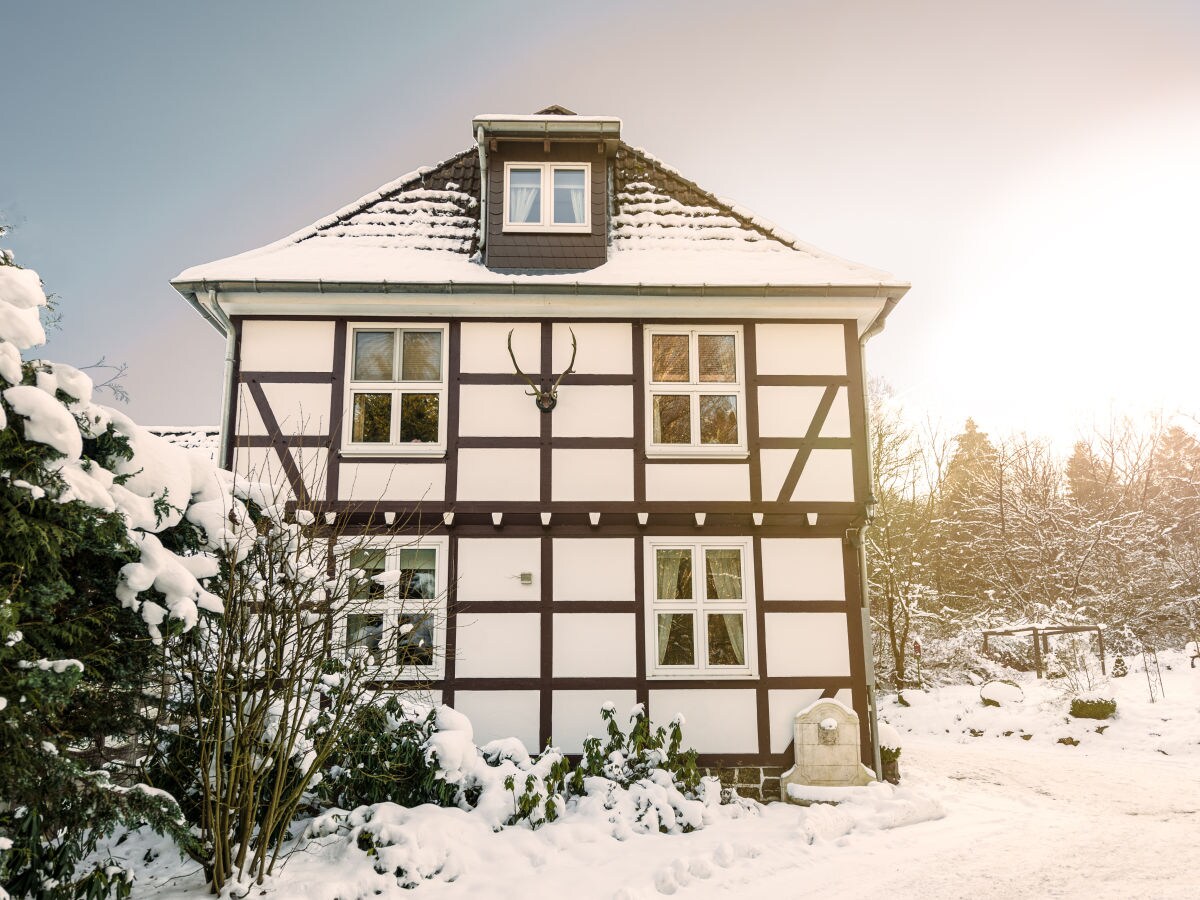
{"x": 381, "y": 757}
{"x": 1093, "y": 707}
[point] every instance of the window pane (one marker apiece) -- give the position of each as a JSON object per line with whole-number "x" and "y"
{"x": 723, "y": 569}
{"x": 718, "y": 357}
{"x": 370, "y": 563}
{"x": 372, "y": 423}
{"x": 374, "y": 353}
{"x": 676, "y": 639}
{"x": 569, "y": 197}
{"x": 726, "y": 640}
{"x": 364, "y": 635}
{"x": 718, "y": 420}
{"x": 674, "y": 569}
{"x": 672, "y": 420}
{"x": 670, "y": 358}
{"x": 417, "y": 567}
{"x": 418, "y": 418}
{"x": 422, "y": 358}
{"x": 525, "y": 196}
{"x": 414, "y": 647}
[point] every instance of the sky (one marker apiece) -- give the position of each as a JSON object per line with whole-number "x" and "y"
{"x": 1032, "y": 168}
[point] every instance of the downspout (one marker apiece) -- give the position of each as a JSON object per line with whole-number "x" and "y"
{"x": 483, "y": 190}
{"x": 227, "y": 381}
{"x": 864, "y": 579}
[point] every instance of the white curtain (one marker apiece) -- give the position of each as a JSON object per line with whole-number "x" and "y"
{"x": 734, "y": 632}
{"x": 577, "y": 204}
{"x": 521, "y": 201}
{"x": 670, "y": 565}
{"x": 724, "y": 574}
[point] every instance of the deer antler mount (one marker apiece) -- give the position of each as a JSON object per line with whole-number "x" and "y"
{"x": 545, "y": 398}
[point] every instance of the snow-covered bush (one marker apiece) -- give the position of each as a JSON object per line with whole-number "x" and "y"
{"x": 398, "y": 752}
{"x": 890, "y": 747}
{"x": 381, "y": 757}
{"x": 99, "y": 561}
{"x": 260, "y": 697}
{"x": 1001, "y": 693}
{"x": 1093, "y": 706}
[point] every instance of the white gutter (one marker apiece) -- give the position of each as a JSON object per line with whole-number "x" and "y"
{"x": 213, "y": 312}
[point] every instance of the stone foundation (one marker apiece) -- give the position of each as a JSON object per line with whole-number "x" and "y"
{"x": 756, "y": 782}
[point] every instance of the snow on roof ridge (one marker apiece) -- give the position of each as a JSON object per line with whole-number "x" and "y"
{"x": 753, "y": 220}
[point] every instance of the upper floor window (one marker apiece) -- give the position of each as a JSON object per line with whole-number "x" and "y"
{"x": 396, "y": 390}
{"x": 547, "y": 197}
{"x": 696, "y": 392}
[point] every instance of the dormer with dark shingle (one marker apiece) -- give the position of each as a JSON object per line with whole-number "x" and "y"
{"x": 546, "y": 189}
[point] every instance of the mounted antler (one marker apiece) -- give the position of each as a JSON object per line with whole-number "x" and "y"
{"x": 546, "y": 399}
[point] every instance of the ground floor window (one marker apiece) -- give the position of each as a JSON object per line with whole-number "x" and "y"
{"x": 395, "y": 616}
{"x": 700, "y": 607}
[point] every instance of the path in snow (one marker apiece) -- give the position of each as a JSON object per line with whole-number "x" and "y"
{"x": 1023, "y": 821}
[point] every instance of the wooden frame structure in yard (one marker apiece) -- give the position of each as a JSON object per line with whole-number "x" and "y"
{"x": 1041, "y": 635}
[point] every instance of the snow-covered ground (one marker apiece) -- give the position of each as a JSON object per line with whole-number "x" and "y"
{"x": 980, "y": 814}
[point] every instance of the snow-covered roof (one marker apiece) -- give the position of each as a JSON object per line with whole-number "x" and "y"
{"x": 424, "y": 228}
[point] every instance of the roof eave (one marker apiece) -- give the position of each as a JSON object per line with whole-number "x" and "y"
{"x": 891, "y": 291}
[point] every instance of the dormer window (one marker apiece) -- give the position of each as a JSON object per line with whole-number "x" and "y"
{"x": 547, "y": 197}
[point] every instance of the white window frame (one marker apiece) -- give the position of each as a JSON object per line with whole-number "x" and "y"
{"x": 545, "y": 223}
{"x": 392, "y": 606}
{"x": 396, "y": 388}
{"x": 699, "y": 605}
{"x": 694, "y": 389}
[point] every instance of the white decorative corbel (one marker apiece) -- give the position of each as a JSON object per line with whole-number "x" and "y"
{"x": 497, "y": 519}
{"x": 546, "y": 519}
{"x": 594, "y": 518}
{"x": 700, "y": 517}
{"x": 812, "y": 518}
{"x": 643, "y": 518}
{"x": 389, "y": 518}
{"x": 330, "y": 518}
{"x": 447, "y": 519}
{"x": 758, "y": 518}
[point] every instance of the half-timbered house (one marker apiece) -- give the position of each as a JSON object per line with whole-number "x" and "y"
{"x": 674, "y": 519}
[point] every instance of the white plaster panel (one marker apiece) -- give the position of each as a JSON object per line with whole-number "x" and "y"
{"x": 803, "y": 569}
{"x": 837, "y": 423}
{"x": 594, "y": 645}
{"x": 272, "y": 345}
{"x": 498, "y": 474}
{"x": 502, "y": 714}
{"x": 486, "y": 410}
{"x": 498, "y": 645}
{"x": 594, "y": 569}
{"x": 370, "y": 482}
{"x": 828, "y": 476}
{"x": 807, "y": 644}
{"x": 605, "y": 348}
{"x": 249, "y": 420}
{"x": 485, "y": 347}
{"x": 787, "y": 411}
{"x": 313, "y": 465}
{"x": 490, "y": 568}
{"x": 262, "y": 464}
{"x": 593, "y": 411}
{"x": 602, "y": 475}
{"x": 299, "y": 408}
{"x": 576, "y": 714}
{"x": 680, "y": 481}
{"x": 801, "y": 349}
{"x": 783, "y": 706}
{"x": 716, "y": 721}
